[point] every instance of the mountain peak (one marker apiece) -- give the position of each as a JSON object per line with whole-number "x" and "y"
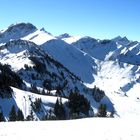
{"x": 65, "y": 35}
{"x": 120, "y": 39}
{"x": 16, "y": 31}
{"x": 43, "y": 29}
{"x": 22, "y": 25}
{"x": 125, "y": 38}
{"x": 117, "y": 38}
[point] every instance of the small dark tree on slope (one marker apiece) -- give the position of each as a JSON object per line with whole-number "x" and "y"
{"x": 34, "y": 89}
{"x": 102, "y": 111}
{"x": 36, "y": 105}
{"x": 30, "y": 117}
{"x": 98, "y": 94}
{"x": 1, "y": 117}
{"x": 12, "y": 114}
{"x": 20, "y": 116}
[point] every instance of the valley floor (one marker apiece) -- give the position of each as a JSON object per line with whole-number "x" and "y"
{"x": 82, "y": 129}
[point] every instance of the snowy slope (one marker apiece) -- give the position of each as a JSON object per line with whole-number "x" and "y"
{"x": 72, "y": 58}
{"x": 15, "y": 53}
{"x": 118, "y": 71}
{"x": 78, "y": 62}
{"x": 22, "y": 100}
{"x": 24, "y": 58}
{"x": 121, "y": 84}
{"x": 71, "y": 39}
{"x": 98, "y": 49}
{"x": 116, "y": 49}
{"x": 101, "y": 129}
{"x": 39, "y": 37}
{"x": 128, "y": 53}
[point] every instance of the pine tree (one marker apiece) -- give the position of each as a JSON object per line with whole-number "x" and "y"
{"x": 36, "y": 105}
{"x": 97, "y": 94}
{"x": 34, "y": 89}
{"x": 102, "y": 111}
{"x": 56, "y": 107}
{"x": 78, "y": 104}
{"x": 30, "y": 117}
{"x": 20, "y": 116}
{"x": 62, "y": 110}
{"x": 2, "y": 119}
{"x": 59, "y": 110}
{"x": 43, "y": 92}
{"x": 12, "y": 114}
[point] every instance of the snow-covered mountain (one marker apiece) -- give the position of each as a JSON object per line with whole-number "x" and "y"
{"x": 16, "y": 31}
{"x": 118, "y": 72}
{"x": 37, "y": 69}
{"x": 65, "y": 63}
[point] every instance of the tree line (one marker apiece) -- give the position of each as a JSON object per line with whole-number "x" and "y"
{"x": 77, "y": 106}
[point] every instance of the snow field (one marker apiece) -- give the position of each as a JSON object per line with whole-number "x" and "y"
{"x": 83, "y": 129}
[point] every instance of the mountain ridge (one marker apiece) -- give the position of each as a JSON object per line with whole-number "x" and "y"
{"x": 84, "y": 62}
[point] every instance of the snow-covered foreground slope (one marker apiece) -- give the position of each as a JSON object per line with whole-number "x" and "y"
{"x": 84, "y": 129}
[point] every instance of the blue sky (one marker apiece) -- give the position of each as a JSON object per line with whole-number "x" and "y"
{"x": 96, "y": 18}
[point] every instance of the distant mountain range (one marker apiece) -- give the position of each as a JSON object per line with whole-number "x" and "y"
{"x": 55, "y": 66}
